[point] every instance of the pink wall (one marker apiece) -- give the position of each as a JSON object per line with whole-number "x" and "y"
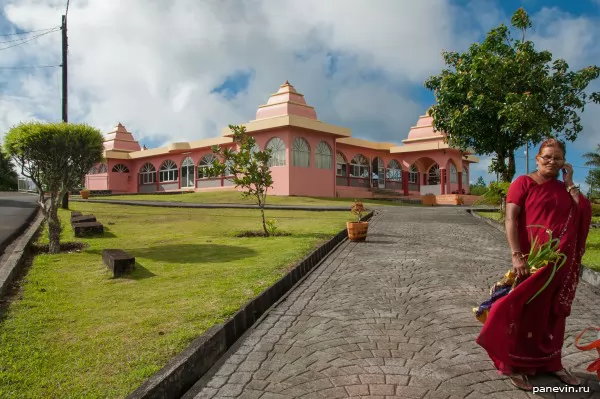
{"x": 312, "y": 181}
{"x": 280, "y": 174}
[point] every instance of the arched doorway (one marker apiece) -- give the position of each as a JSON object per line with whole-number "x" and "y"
{"x": 378, "y": 175}
{"x": 187, "y": 173}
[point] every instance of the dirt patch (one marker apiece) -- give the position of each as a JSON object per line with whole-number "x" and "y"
{"x": 65, "y": 247}
{"x": 260, "y": 233}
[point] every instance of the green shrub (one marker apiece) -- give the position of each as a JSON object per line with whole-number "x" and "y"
{"x": 595, "y": 210}
{"x": 478, "y": 190}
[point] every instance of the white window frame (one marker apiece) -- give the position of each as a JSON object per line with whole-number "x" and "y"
{"x": 359, "y": 166}
{"x": 301, "y": 153}
{"x": 169, "y": 172}
{"x": 120, "y": 168}
{"x": 413, "y": 174}
{"x": 147, "y": 174}
{"x": 277, "y": 147}
{"x": 434, "y": 173}
{"x": 394, "y": 171}
{"x": 205, "y": 163}
{"x": 453, "y": 173}
{"x": 341, "y": 165}
{"x": 323, "y": 158}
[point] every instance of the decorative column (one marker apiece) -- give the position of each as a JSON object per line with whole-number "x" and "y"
{"x": 405, "y": 182}
{"x": 443, "y": 181}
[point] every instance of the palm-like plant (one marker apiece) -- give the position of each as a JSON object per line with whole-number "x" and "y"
{"x": 593, "y": 158}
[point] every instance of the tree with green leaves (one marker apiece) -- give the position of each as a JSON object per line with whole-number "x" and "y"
{"x": 56, "y": 157}
{"x": 503, "y": 94}
{"x": 479, "y": 188}
{"x": 247, "y": 168}
{"x": 593, "y": 180}
{"x": 8, "y": 176}
{"x": 593, "y": 158}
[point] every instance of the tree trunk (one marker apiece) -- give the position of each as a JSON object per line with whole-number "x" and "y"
{"x": 262, "y": 212}
{"x": 54, "y": 227}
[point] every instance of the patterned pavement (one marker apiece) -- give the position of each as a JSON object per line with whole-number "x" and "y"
{"x": 391, "y": 318}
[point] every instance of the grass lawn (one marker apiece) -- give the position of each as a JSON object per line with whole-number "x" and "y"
{"x": 490, "y": 215}
{"x": 235, "y": 197}
{"x": 77, "y": 332}
{"x": 591, "y": 258}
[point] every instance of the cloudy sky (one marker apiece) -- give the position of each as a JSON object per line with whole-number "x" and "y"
{"x": 181, "y": 70}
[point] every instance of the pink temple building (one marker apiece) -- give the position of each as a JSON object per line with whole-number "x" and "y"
{"x": 309, "y": 158}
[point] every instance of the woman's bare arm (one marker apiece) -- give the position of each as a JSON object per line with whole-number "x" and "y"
{"x": 511, "y": 223}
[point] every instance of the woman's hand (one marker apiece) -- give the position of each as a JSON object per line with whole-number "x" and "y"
{"x": 520, "y": 266}
{"x": 568, "y": 176}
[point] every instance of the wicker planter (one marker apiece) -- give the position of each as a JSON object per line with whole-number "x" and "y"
{"x": 85, "y": 194}
{"x": 357, "y": 231}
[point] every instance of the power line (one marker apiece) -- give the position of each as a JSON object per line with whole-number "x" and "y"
{"x": 27, "y": 40}
{"x": 33, "y": 67}
{"x": 28, "y": 32}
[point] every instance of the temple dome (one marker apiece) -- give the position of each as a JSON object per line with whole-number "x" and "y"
{"x": 423, "y": 129}
{"x": 287, "y": 101}
{"x": 119, "y": 139}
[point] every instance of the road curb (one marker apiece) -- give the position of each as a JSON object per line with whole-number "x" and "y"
{"x": 180, "y": 374}
{"x": 9, "y": 269}
{"x": 586, "y": 274}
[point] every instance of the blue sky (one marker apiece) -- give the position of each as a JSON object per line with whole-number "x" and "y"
{"x": 362, "y": 67}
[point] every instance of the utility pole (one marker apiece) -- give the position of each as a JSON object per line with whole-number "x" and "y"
{"x": 65, "y": 117}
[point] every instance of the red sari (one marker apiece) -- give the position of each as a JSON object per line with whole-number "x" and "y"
{"x": 528, "y": 338}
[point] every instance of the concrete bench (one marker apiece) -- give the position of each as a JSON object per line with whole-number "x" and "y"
{"x": 83, "y": 219}
{"x": 118, "y": 261}
{"x": 87, "y": 228}
{"x": 75, "y": 214}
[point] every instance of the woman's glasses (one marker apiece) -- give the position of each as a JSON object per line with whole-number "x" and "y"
{"x": 547, "y": 159}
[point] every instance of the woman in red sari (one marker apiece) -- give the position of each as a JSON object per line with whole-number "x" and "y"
{"x": 524, "y": 339}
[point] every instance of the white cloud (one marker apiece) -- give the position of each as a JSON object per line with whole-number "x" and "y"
{"x": 152, "y": 64}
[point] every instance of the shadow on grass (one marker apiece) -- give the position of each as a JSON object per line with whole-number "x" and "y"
{"x": 190, "y": 253}
{"x": 106, "y": 234}
{"x": 139, "y": 273}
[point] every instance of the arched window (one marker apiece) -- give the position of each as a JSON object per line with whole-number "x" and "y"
{"x": 359, "y": 166}
{"x": 255, "y": 148}
{"x": 394, "y": 171}
{"x": 147, "y": 174}
{"x": 341, "y": 165}
{"x": 453, "y": 173}
{"x": 102, "y": 168}
{"x": 323, "y": 156}
{"x": 168, "y": 171}
{"x": 229, "y": 163}
{"x": 433, "y": 176}
{"x": 465, "y": 178}
{"x": 93, "y": 171}
{"x": 187, "y": 172}
{"x": 301, "y": 153}
{"x": 277, "y": 147}
{"x": 413, "y": 174}
{"x": 120, "y": 168}
{"x": 205, "y": 163}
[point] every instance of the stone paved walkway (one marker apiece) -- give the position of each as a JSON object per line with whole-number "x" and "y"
{"x": 391, "y": 318}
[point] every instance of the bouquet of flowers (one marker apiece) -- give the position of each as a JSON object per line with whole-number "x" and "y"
{"x": 540, "y": 255}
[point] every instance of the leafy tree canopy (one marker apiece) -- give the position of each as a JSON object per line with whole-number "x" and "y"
{"x": 56, "y": 157}
{"x": 503, "y": 94}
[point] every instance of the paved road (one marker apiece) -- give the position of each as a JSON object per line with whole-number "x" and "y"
{"x": 15, "y": 209}
{"x": 391, "y": 318}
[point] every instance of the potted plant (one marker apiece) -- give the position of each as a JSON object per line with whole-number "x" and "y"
{"x": 85, "y": 194}
{"x": 357, "y": 230}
